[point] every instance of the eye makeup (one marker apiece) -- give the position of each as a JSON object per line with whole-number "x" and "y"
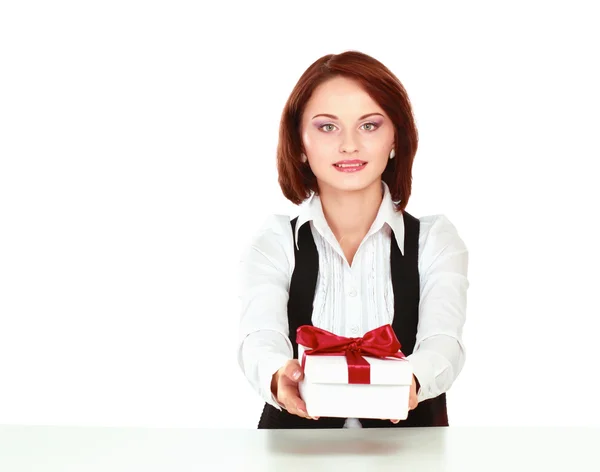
{"x": 320, "y": 123}
{"x": 374, "y": 124}
{"x": 377, "y": 120}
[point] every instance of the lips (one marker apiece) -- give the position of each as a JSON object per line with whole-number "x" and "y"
{"x": 350, "y": 163}
{"x": 349, "y": 166}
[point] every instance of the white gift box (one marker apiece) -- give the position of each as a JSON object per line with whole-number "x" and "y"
{"x": 327, "y": 392}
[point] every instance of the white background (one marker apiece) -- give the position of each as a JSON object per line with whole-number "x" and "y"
{"x": 137, "y": 159}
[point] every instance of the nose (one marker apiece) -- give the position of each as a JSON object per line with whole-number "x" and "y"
{"x": 348, "y": 144}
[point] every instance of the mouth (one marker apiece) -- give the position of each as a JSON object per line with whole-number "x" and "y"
{"x": 350, "y": 165}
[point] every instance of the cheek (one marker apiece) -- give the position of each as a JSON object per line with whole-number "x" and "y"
{"x": 316, "y": 142}
{"x": 307, "y": 139}
{"x": 381, "y": 143}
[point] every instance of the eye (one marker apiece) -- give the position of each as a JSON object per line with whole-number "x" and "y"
{"x": 372, "y": 125}
{"x": 328, "y": 127}
{"x": 325, "y": 125}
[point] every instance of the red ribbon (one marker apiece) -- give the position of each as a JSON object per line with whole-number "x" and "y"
{"x": 380, "y": 342}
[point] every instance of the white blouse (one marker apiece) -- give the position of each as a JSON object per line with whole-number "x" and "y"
{"x": 351, "y": 300}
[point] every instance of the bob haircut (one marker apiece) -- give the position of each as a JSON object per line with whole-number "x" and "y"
{"x": 296, "y": 179}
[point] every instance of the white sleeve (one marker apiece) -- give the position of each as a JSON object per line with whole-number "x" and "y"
{"x": 439, "y": 353}
{"x": 265, "y": 274}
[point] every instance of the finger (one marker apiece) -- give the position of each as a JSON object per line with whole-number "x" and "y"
{"x": 298, "y": 410}
{"x": 395, "y": 421}
{"x": 293, "y": 370}
{"x": 292, "y": 401}
{"x": 300, "y": 407}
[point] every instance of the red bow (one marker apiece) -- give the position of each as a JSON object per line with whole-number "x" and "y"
{"x": 380, "y": 342}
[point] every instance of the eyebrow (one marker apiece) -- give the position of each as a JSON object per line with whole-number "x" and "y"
{"x": 333, "y": 117}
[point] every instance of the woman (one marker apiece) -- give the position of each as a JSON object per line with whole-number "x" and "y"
{"x": 353, "y": 259}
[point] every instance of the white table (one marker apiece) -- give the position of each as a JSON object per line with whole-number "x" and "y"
{"x": 80, "y": 449}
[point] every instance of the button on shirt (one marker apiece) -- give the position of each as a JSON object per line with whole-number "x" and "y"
{"x": 351, "y": 300}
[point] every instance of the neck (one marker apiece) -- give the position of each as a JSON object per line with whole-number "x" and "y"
{"x": 351, "y": 214}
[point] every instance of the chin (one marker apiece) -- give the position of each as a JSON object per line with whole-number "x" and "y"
{"x": 350, "y": 184}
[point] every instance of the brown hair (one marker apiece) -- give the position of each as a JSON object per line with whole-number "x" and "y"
{"x": 296, "y": 179}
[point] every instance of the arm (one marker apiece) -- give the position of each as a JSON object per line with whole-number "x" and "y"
{"x": 439, "y": 353}
{"x": 265, "y": 271}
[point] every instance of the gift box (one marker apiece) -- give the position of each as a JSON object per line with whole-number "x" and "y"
{"x": 365, "y": 377}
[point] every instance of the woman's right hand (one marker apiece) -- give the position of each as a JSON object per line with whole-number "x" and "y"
{"x": 284, "y": 387}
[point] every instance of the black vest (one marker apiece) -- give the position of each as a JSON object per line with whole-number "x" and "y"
{"x": 405, "y": 282}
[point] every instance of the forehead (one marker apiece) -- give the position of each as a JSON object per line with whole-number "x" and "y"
{"x": 342, "y": 97}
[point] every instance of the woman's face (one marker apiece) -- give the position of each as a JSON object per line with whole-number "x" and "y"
{"x": 347, "y": 137}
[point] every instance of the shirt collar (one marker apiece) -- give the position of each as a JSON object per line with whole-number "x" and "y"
{"x": 312, "y": 210}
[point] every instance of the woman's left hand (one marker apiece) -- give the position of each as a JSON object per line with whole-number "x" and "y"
{"x": 412, "y": 399}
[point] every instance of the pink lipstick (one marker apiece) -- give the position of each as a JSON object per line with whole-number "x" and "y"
{"x": 350, "y": 165}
